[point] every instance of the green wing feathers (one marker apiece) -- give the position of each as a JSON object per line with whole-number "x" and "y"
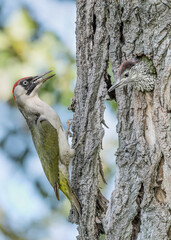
{"x": 45, "y": 138}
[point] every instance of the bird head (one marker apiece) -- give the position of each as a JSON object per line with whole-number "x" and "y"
{"x": 28, "y": 86}
{"x": 127, "y": 75}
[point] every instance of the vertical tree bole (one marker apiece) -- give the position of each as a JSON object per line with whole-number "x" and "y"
{"x": 140, "y": 205}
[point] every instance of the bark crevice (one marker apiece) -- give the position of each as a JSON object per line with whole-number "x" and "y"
{"x": 169, "y": 233}
{"x": 160, "y": 193}
{"x": 136, "y": 223}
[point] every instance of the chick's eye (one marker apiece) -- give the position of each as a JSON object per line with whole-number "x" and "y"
{"x": 25, "y": 83}
{"x": 126, "y": 74}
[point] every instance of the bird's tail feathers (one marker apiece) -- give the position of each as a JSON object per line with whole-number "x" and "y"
{"x": 56, "y": 190}
{"x": 74, "y": 201}
{"x": 64, "y": 186}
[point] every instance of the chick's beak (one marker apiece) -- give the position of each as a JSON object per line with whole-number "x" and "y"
{"x": 119, "y": 83}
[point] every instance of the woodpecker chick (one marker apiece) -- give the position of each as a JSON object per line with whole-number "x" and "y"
{"x": 48, "y": 135}
{"x": 135, "y": 73}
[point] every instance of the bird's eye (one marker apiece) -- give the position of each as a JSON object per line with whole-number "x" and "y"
{"x": 126, "y": 74}
{"x": 25, "y": 83}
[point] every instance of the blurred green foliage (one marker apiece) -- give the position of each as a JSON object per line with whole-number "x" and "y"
{"x": 109, "y": 71}
{"x": 26, "y": 51}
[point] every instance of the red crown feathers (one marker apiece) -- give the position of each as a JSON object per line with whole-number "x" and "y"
{"x": 16, "y": 85}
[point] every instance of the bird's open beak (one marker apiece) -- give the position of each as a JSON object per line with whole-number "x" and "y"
{"x": 119, "y": 83}
{"x": 39, "y": 80}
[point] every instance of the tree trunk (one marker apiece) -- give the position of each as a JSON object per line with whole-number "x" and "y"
{"x": 88, "y": 105}
{"x": 140, "y": 205}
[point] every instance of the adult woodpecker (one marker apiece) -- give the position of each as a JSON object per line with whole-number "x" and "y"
{"x": 48, "y": 134}
{"x": 135, "y": 73}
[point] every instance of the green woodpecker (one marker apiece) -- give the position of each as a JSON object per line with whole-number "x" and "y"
{"x": 136, "y": 73}
{"x": 48, "y": 135}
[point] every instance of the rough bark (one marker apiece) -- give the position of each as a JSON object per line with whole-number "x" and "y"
{"x": 141, "y": 202}
{"x": 140, "y": 205}
{"x": 88, "y": 105}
